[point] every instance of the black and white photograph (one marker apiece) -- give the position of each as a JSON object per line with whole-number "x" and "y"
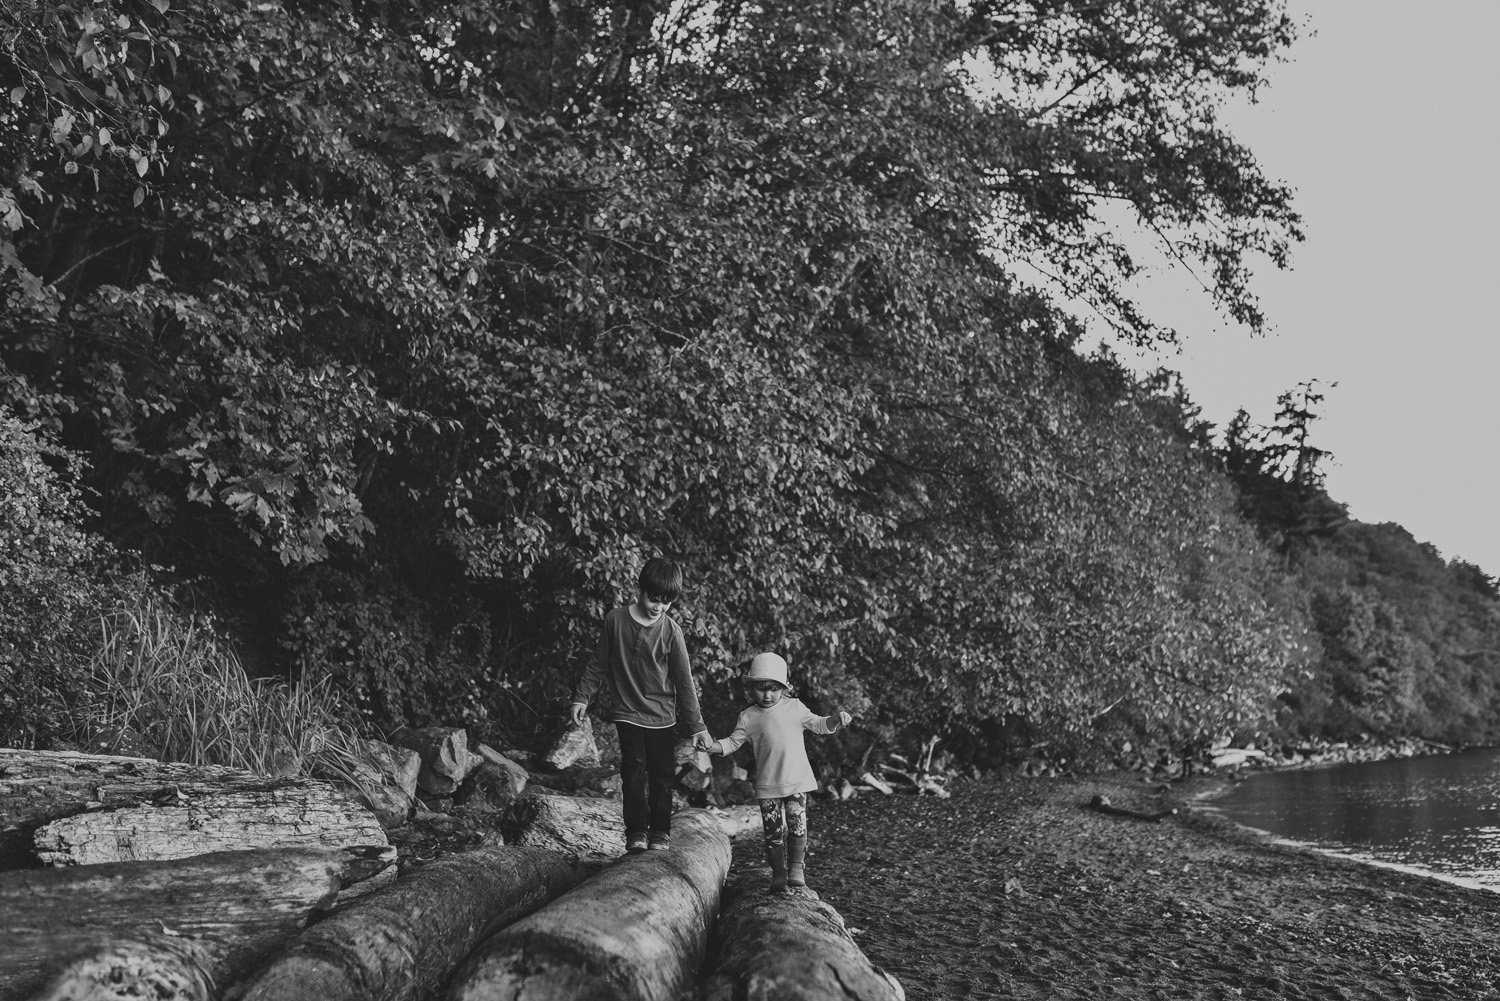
{"x": 745, "y": 500}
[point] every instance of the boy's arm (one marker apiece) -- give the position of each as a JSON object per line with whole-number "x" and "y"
{"x": 681, "y": 674}
{"x": 592, "y": 677}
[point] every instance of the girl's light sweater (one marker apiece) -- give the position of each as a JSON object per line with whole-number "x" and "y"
{"x": 781, "y": 765}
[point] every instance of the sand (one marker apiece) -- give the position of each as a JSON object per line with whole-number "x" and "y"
{"x": 1015, "y": 888}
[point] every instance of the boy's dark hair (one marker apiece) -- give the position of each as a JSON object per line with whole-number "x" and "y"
{"x": 661, "y": 578}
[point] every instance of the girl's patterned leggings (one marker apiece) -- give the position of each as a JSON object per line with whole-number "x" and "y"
{"x": 782, "y": 816}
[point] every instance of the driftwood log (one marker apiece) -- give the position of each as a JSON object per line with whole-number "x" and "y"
{"x": 67, "y": 808}
{"x": 1103, "y": 805}
{"x": 402, "y": 941}
{"x": 174, "y": 926}
{"x": 789, "y": 946}
{"x": 635, "y": 931}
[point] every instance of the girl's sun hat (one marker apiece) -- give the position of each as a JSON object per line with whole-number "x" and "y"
{"x": 767, "y": 667}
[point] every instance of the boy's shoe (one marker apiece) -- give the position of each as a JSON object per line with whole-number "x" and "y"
{"x": 796, "y": 857}
{"x": 659, "y": 842}
{"x": 635, "y": 841}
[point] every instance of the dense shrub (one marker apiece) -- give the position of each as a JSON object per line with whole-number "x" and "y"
{"x": 55, "y": 580}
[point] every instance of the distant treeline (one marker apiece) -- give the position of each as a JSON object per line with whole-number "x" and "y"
{"x": 397, "y": 336}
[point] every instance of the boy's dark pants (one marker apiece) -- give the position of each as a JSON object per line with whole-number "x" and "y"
{"x": 647, "y": 768}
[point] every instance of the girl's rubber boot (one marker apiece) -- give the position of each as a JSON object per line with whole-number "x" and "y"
{"x": 776, "y": 855}
{"x": 796, "y": 858}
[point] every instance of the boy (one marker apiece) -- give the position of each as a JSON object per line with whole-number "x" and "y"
{"x": 642, "y": 666}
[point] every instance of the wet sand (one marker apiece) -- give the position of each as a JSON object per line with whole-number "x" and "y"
{"x": 1015, "y": 888}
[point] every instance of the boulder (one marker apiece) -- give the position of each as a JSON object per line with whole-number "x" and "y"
{"x": 581, "y": 780}
{"x": 693, "y": 779}
{"x": 444, "y": 751}
{"x": 688, "y": 755}
{"x": 733, "y": 786}
{"x": 511, "y": 765}
{"x": 573, "y": 746}
{"x": 381, "y": 776}
{"x": 607, "y": 739}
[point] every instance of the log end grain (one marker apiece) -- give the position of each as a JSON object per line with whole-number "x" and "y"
{"x": 129, "y": 969}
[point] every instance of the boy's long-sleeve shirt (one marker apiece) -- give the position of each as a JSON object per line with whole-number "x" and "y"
{"x": 643, "y": 672}
{"x": 781, "y": 765}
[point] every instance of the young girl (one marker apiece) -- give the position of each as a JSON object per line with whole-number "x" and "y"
{"x": 783, "y": 776}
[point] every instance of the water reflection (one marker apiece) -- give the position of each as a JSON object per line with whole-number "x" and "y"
{"x": 1440, "y": 814}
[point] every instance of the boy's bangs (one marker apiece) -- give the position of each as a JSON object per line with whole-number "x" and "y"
{"x": 661, "y": 580}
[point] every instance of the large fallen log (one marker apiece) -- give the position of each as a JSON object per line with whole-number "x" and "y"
{"x": 635, "y": 931}
{"x": 207, "y": 919}
{"x": 214, "y": 822}
{"x": 65, "y": 808}
{"x": 402, "y": 941}
{"x": 788, "y": 946}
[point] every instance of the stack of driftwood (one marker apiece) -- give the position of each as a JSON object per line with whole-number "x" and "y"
{"x": 925, "y": 776}
{"x": 128, "y": 878}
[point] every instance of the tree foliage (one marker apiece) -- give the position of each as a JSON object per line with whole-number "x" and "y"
{"x": 56, "y": 579}
{"x": 1402, "y": 642}
{"x": 413, "y": 329}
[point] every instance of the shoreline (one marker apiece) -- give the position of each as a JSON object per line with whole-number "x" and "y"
{"x": 1206, "y": 798}
{"x": 1015, "y": 888}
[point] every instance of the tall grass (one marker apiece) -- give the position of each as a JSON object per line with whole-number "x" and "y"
{"x": 175, "y": 682}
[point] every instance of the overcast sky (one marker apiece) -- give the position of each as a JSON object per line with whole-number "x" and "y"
{"x": 1386, "y": 121}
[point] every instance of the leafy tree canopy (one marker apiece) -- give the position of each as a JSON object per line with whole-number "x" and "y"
{"x": 495, "y": 299}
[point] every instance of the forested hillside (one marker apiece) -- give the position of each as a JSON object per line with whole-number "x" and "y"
{"x": 399, "y": 335}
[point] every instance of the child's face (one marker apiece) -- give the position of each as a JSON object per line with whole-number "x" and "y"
{"x": 765, "y": 693}
{"x": 653, "y": 606}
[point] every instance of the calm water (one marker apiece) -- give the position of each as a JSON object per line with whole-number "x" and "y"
{"x": 1439, "y": 814}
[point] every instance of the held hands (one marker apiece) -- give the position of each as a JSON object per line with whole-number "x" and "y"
{"x": 703, "y": 742}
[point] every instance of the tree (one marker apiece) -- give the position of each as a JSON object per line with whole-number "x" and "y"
{"x": 1277, "y": 472}
{"x": 450, "y": 312}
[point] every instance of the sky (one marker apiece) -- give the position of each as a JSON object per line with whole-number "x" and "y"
{"x": 1386, "y": 121}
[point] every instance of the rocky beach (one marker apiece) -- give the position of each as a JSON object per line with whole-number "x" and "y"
{"x": 1018, "y": 888}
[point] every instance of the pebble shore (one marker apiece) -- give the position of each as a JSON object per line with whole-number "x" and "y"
{"x": 1017, "y": 888}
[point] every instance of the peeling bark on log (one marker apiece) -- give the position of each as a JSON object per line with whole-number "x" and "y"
{"x": 107, "y": 809}
{"x": 401, "y": 942}
{"x": 210, "y": 918}
{"x": 792, "y": 947}
{"x": 209, "y": 823}
{"x": 572, "y": 825}
{"x": 636, "y": 931}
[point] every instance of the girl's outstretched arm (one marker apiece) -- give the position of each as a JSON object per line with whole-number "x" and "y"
{"x": 823, "y": 724}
